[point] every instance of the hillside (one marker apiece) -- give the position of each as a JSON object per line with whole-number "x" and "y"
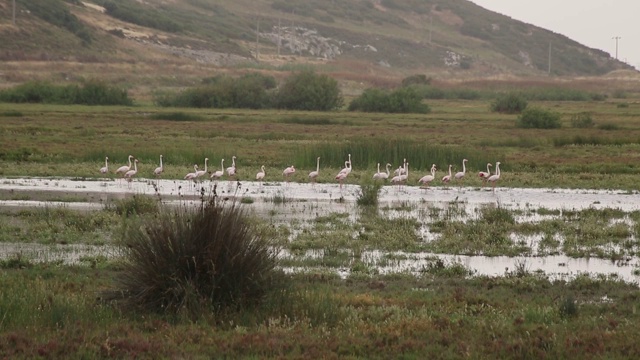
{"x": 349, "y": 37}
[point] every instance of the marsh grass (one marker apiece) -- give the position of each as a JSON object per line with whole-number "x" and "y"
{"x": 368, "y": 194}
{"x": 193, "y": 261}
{"x": 134, "y": 205}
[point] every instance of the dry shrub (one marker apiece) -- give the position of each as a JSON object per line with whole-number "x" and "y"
{"x": 195, "y": 260}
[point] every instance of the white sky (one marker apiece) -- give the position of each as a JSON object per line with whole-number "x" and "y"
{"x": 593, "y": 23}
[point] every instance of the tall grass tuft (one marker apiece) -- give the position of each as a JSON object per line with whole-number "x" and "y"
{"x": 369, "y": 194}
{"x": 135, "y": 205}
{"x": 195, "y": 260}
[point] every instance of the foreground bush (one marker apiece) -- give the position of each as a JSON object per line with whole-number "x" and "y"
{"x": 403, "y": 100}
{"x": 539, "y": 119}
{"x": 509, "y": 103}
{"x": 193, "y": 261}
{"x": 582, "y": 120}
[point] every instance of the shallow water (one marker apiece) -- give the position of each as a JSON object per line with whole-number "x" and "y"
{"x": 305, "y": 202}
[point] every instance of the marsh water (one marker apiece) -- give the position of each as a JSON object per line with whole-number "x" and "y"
{"x": 282, "y": 203}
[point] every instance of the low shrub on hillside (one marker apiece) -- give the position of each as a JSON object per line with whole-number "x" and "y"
{"x": 539, "y": 119}
{"x": 509, "y": 103}
{"x": 403, "y": 100}
{"x": 582, "y": 120}
{"x": 307, "y": 90}
{"x": 92, "y": 92}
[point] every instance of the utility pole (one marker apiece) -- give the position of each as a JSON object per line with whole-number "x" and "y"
{"x": 258, "y": 39}
{"x": 616, "y": 38}
{"x": 549, "y": 70}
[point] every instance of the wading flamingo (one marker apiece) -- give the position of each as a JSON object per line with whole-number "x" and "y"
{"x": 131, "y": 173}
{"x": 261, "y": 174}
{"x": 447, "y": 178}
{"x": 347, "y": 166}
{"x": 461, "y": 174}
{"x": 341, "y": 177}
{"x": 160, "y": 169}
{"x": 314, "y": 174}
{"x": 403, "y": 177}
{"x": 192, "y": 176}
{"x": 485, "y": 175}
{"x": 288, "y": 172}
{"x": 231, "y": 170}
{"x": 401, "y": 169}
{"x": 105, "y": 168}
{"x": 218, "y": 174}
{"x": 123, "y": 169}
{"x": 425, "y": 180}
{"x": 494, "y": 178}
{"x": 199, "y": 173}
{"x": 382, "y": 175}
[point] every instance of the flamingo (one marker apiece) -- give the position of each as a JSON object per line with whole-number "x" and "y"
{"x": 401, "y": 169}
{"x": 314, "y": 174}
{"x": 447, "y": 178}
{"x": 347, "y": 166}
{"x": 425, "y": 180}
{"x": 160, "y": 169}
{"x": 218, "y": 174}
{"x": 341, "y": 176}
{"x": 231, "y": 170}
{"x": 382, "y": 175}
{"x": 131, "y": 173}
{"x": 494, "y": 178}
{"x": 123, "y": 169}
{"x": 485, "y": 175}
{"x": 261, "y": 174}
{"x": 105, "y": 168}
{"x": 288, "y": 172}
{"x": 199, "y": 173}
{"x": 460, "y": 175}
{"x": 403, "y": 175}
{"x": 192, "y": 176}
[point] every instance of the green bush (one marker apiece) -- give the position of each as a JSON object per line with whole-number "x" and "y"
{"x": 307, "y": 90}
{"x": 369, "y": 194}
{"x": 582, "y": 120}
{"x": 196, "y": 260}
{"x": 246, "y": 92}
{"x": 539, "y": 119}
{"x": 509, "y": 103}
{"x": 403, "y": 100}
{"x": 419, "y": 79}
{"x": 92, "y": 92}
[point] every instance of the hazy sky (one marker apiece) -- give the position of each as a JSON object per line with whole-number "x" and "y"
{"x": 593, "y": 23}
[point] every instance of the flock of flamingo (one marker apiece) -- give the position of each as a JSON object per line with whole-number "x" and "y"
{"x": 401, "y": 174}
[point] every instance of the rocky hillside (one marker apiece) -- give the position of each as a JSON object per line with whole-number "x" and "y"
{"x": 396, "y": 36}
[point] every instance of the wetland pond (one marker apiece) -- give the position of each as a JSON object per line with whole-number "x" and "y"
{"x": 298, "y": 208}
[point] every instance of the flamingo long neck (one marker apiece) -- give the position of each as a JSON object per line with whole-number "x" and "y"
{"x": 378, "y": 168}
{"x": 129, "y": 161}
{"x": 222, "y": 164}
{"x": 233, "y": 161}
{"x": 488, "y": 170}
{"x": 498, "y": 169}
{"x": 106, "y": 162}
{"x": 464, "y": 168}
{"x": 160, "y": 161}
{"x": 318, "y": 165}
{"x": 449, "y": 170}
{"x": 205, "y": 164}
{"x": 387, "y": 167}
{"x": 433, "y": 171}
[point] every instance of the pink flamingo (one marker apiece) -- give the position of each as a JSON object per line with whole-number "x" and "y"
{"x": 231, "y": 170}
{"x": 261, "y": 174}
{"x": 460, "y": 175}
{"x": 341, "y": 177}
{"x": 218, "y": 174}
{"x": 347, "y": 166}
{"x": 123, "y": 169}
{"x": 425, "y": 180}
{"x": 105, "y": 168}
{"x": 160, "y": 169}
{"x": 131, "y": 173}
{"x": 314, "y": 174}
{"x": 403, "y": 177}
{"x": 382, "y": 175}
{"x": 494, "y": 178}
{"x": 199, "y": 173}
{"x": 484, "y": 175}
{"x": 447, "y": 178}
{"x": 192, "y": 176}
{"x": 288, "y": 172}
